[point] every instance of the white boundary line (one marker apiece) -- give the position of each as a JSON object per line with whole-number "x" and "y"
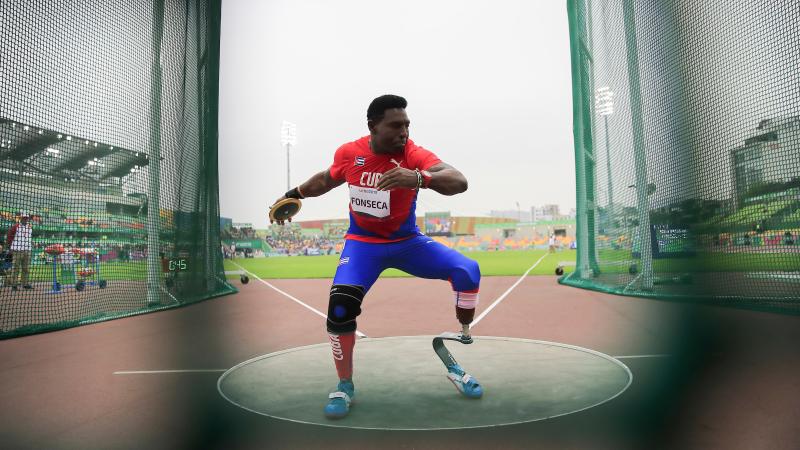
{"x": 159, "y": 372}
{"x": 147, "y": 372}
{"x": 170, "y": 295}
{"x": 310, "y": 308}
{"x": 332, "y": 425}
{"x": 632, "y": 281}
{"x": 508, "y": 291}
{"x": 480, "y": 317}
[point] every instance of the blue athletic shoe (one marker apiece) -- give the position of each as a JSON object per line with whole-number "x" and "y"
{"x": 339, "y": 405}
{"x": 464, "y": 382}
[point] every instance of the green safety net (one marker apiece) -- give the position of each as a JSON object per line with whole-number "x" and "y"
{"x": 687, "y": 148}
{"x": 108, "y": 151}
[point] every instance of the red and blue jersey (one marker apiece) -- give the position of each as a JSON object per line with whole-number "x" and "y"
{"x": 379, "y": 216}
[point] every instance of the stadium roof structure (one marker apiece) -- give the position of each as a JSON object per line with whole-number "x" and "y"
{"x": 34, "y": 151}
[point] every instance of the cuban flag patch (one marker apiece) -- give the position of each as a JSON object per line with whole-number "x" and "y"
{"x": 359, "y": 161}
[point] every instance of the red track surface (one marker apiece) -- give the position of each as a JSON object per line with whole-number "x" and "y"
{"x": 731, "y": 380}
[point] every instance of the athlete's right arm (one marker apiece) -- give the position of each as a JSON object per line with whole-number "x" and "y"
{"x": 318, "y": 184}
{"x": 323, "y": 181}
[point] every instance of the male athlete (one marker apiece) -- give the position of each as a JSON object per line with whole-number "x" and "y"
{"x": 384, "y": 172}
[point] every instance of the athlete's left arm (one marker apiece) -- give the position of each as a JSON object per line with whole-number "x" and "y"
{"x": 446, "y": 179}
{"x": 441, "y": 177}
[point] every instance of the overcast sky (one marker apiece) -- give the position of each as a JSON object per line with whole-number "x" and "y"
{"x": 488, "y": 86}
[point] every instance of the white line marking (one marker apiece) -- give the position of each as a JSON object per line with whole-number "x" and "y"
{"x": 641, "y": 356}
{"x": 312, "y": 309}
{"x": 170, "y": 295}
{"x": 146, "y": 372}
{"x": 508, "y": 291}
{"x": 632, "y": 281}
{"x": 331, "y": 424}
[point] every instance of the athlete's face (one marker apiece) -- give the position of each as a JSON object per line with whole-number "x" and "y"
{"x": 389, "y": 135}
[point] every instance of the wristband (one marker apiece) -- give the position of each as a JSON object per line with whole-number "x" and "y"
{"x": 294, "y": 193}
{"x": 419, "y": 180}
{"x": 426, "y": 178}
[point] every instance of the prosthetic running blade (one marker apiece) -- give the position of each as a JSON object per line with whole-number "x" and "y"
{"x": 463, "y": 381}
{"x": 442, "y": 352}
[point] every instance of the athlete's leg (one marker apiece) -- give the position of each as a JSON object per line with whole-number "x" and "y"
{"x": 359, "y": 267}
{"x": 425, "y": 258}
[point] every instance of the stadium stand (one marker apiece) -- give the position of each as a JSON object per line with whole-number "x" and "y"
{"x": 108, "y": 142}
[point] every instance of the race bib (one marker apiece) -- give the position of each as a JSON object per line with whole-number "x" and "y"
{"x": 369, "y": 201}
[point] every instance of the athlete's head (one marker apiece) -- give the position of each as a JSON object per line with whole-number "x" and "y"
{"x": 388, "y": 124}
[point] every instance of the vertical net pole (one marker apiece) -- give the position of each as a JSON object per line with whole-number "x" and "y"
{"x": 154, "y": 172}
{"x": 579, "y": 58}
{"x": 638, "y": 145}
{"x": 210, "y": 138}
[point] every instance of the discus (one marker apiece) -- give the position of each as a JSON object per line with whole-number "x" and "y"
{"x": 285, "y": 209}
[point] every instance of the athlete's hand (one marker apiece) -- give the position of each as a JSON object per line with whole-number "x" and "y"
{"x": 398, "y": 177}
{"x": 279, "y": 222}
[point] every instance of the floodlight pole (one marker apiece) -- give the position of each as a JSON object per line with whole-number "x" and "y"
{"x": 288, "y": 171}
{"x": 604, "y": 102}
{"x": 288, "y": 138}
{"x": 608, "y": 167}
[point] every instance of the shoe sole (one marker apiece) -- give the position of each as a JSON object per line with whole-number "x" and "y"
{"x": 460, "y": 391}
{"x": 336, "y": 416}
{"x": 343, "y": 415}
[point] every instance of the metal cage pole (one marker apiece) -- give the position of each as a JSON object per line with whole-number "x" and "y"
{"x": 642, "y": 205}
{"x": 154, "y": 164}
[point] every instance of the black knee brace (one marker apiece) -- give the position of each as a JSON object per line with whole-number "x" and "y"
{"x": 343, "y": 308}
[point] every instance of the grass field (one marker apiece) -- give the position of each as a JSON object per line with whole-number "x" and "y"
{"x": 513, "y": 262}
{"x": 516, "y": 262}
{"x": 617, "y": 261}
{"x": 509, "y": 263}
{"x": 132, "y": 271}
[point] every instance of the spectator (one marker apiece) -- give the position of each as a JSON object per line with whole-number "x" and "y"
{"x": 20, "y": 243}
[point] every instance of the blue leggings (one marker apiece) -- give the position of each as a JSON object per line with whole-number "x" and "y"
{"x": 362, "y": 262}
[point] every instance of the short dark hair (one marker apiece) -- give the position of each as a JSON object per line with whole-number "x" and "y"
{"x": 379, "y": 106}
